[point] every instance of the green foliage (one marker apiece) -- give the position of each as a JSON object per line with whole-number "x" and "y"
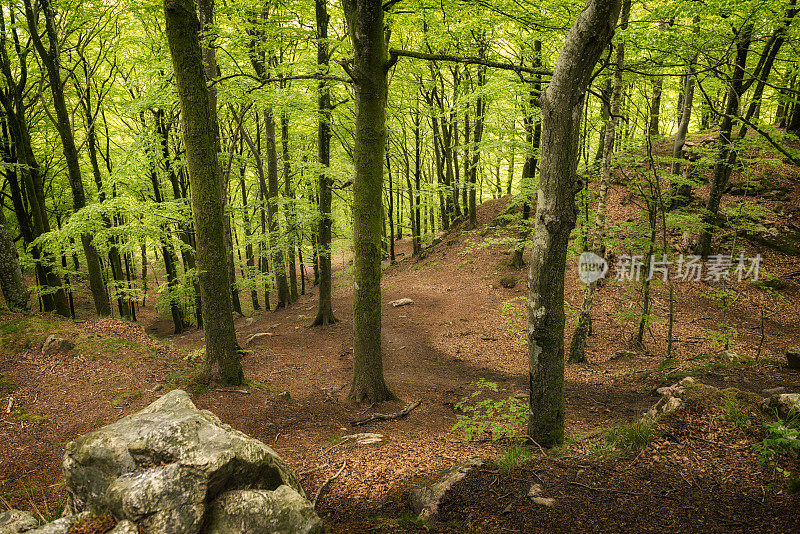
{"x": 735, "y": 412}
{"x": 633, "y": 435}
{"x": 623, "y": 438}
{"x": 121, "y": 399}
{"x": 514, "y": 314}
{"x": 484, "y": 415}
{"x": 512, "y": 457}
{"x": 782, "y": 439}
{"x": 23, "y": 415}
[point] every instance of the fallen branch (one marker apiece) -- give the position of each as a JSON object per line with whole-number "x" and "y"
{"x": 386, "y": 417}
{"x": 232, "y": 390}
{"x": 328, "y": 481}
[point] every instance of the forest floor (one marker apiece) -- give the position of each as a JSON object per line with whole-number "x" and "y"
{"x": 697, "y": 471}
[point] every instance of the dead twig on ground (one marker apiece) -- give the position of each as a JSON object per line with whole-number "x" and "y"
{"x": 541, "y": 449}
{"x": 328, "y": 481}
{"x": 329, "y": 449}
{"x": 232, "y": 390}
{"x": 386, "y": 417}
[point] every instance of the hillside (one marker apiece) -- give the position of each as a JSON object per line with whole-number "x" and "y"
{"x": 463, "y": 326}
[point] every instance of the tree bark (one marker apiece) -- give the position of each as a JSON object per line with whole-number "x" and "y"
{"x": 222, "y": 350}
{"x": 577, "y": 347}
{"x": 368, "y": 70}
{"x": 205, "y": 10}
{"x": 50, "y": 57}
{"x": 11, "y": 282}
{"x": 288, "y": 194}
{"x": 325, "y": 314}
{"x": 562, "y": 104}
{"x": 723, "y": 165}
{"x": 655, "y": 107}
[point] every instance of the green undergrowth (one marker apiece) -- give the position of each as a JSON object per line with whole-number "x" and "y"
{"x": 26, "y": 332}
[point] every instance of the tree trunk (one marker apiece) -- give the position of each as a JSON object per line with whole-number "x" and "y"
{"x": 222, "y": 350}
{"x": 477, "y": 136}
{"x": 13, "y": 286}
{"x": 288, "y": 194}
{"x": 205, "y": 10}
{"x": 391, "y": 208}
{"x": 278, "y": 266}
{"x": 185, "y": 231}
{"x": 723, "y": 165}
{"x": 555, "y": 215}
{"x": 369, "y": 67}
{"x": 51, "y": 60}
{"x": 114, "y": 259}
{"x": 533, "y": 139}
{"x": 655, "y": 107}
{"x": 325, "y": 305}
{"x": 170, "y": 260}
{"x": 248, "y": 247}
{"x": 577, "y": 352}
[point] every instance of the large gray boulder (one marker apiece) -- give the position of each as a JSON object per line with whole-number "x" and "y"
{"x": 16, "y": 521}
{"x": 282, "y": 511}
{"x": 163, "y": 467}
{"x": 59, "y": 526}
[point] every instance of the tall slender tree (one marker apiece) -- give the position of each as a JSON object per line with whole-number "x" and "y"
{"x": 368, "y": 70}
{"x": 222, "y": 350}
{"x": 325, "y": 314}
{"x": 562, "y": 105}
{"x": 51, "y": 58}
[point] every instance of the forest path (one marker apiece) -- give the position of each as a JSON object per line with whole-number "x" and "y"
{"x": 463, "y": 326}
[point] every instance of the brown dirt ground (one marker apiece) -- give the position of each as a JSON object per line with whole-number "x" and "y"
{"x": 463, "y": 326}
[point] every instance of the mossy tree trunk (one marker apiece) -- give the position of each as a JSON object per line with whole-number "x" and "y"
{"x": 325, "y": 306}
{"x": 11, "y": 282}
{"x": 562, "y": 104}
{"x": 222, "y": 351}
{"x": 206, "y": 16}
{"x": 724, "y": 164}
{"x": 51, "y": 60}
{"x": 289, "y": 207}
{"x": 368, "y": 70}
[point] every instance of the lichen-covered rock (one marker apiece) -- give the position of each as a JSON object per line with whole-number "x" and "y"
{"x": 59, "y": 526}
{"x": 54, "y": 344}
{"x": 425, "y": 500}
{"x": 733, "y": 357}
{"x": 282, "y": 511}
{"x": 787, "y": 404}
{"x": 162, "y": 466}
{"x": 16, "y": 521}
{"x": 671, "y": 398}
{"x": 124, "y": 527}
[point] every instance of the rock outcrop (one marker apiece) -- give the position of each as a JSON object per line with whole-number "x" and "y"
{"x": 671, "y": 398}
{"x": 172, "y": 468}
{"x": 16, "y": 521}
{"x": 786, "y": 404}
